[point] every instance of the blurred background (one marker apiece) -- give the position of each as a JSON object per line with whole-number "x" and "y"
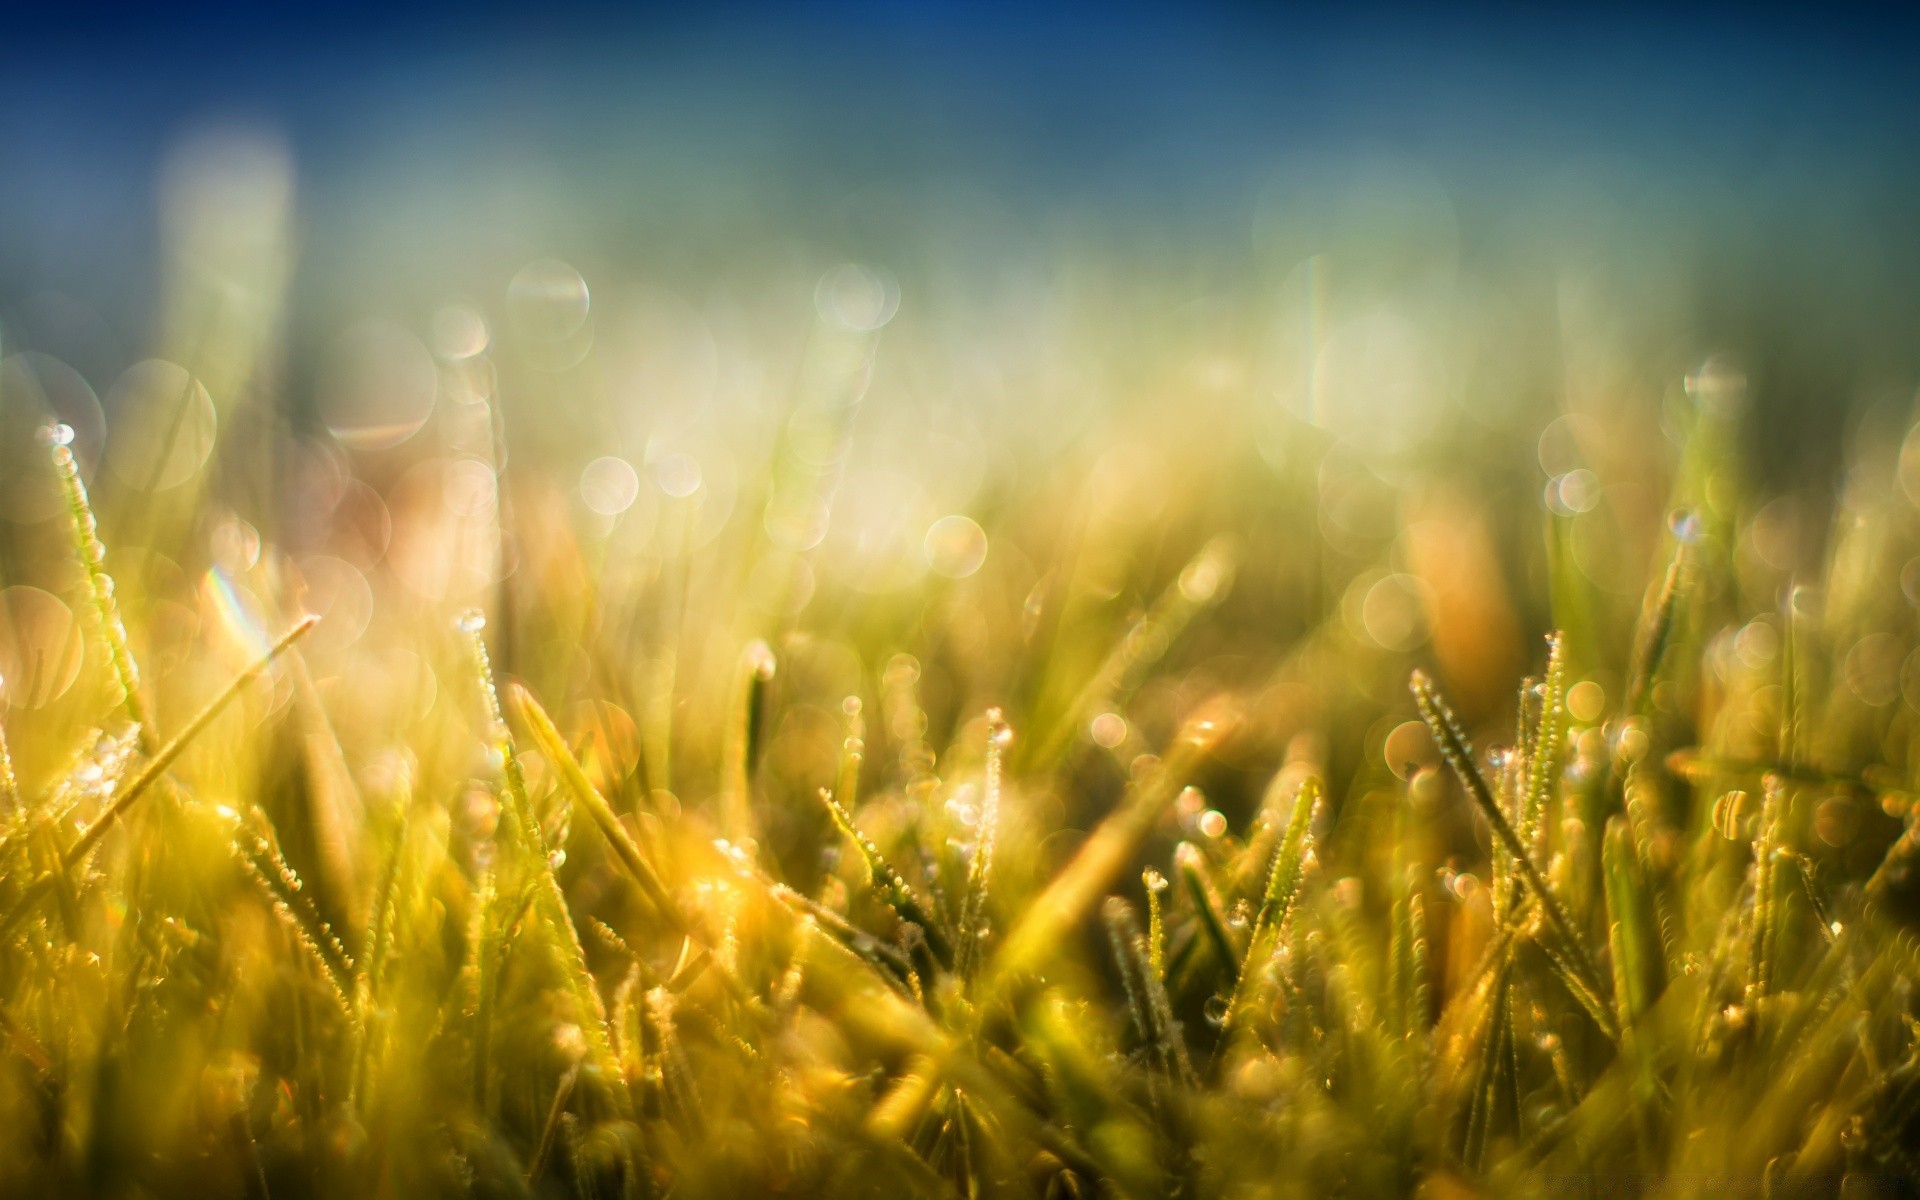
{"x": 884, "y": 328}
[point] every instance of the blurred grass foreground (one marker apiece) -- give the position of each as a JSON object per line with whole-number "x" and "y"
{"x": 1016, "y": 718}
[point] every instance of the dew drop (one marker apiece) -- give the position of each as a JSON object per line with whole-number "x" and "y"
{"x": 1155, "y": 882}
{"x": 1685, "y": 524}
{"x": 955, "y": 546}
{"x": 760, "y": 660}
{"x": 1631, "y": 743}
{"x": 1201, "y": 580}
{"x": 1577, "y": 491}
{"x": 609, "y": 486}
{"x": 1216, "y": 1010}
{"x": 472, "y": 621}
{"x": 1187, "y": 857}
{"x": 57, "y": 434}
{"x": 1728, "y": 812}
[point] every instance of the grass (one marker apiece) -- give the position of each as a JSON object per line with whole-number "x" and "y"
{"x": 879, "y": 929}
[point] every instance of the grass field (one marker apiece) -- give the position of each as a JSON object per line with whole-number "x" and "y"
{"x": 1103, "y": 750}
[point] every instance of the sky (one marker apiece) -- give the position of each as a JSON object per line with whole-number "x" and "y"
{"x": 446, "y": 142}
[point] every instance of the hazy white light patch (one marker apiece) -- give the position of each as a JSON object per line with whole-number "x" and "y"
{"x": 1719, "y": 386}
{"x": 781, "y": 583}
{"x": 1394, "y": 612}
{"x": 360, "y": 527}
{"x": 471, "y": 487}
{"x": 1782, "y": 534}
{"x": 41, "y": 647}
{"x": 662, "y": 362}
{"x": 225, "y": 194}
{"x": 879, "y": 519}
{"x": 856, "y": 297}
{"x": 377, "y": 387}
{"x": 609, "y": 486}
{"x": 458, "y": 332}
{"x": 1564, "y": 443}
{"x": 37, "y": 390}
{"x": 436, "y": 550}
{"x": 797, "y": 519}
{"x": 1872, "y": 669}
{"x": 1577, "y": 491}
{"x": 1378, "y": 381}
{"x": 1386, "y": 609}
{"x": 1109, "y": 730}
{"x": 163, "y": 425}
{"x": 235, "y": 546}
{"x": 675, "y": 474}
{"x": 1910, "y": 581}
{"x": 955, "y": 546}
{"x": 391, "y": 687}
{"x": 339, "y": 594}
{"x": 1202, "y": 579}
{"x": 547, "y": 302}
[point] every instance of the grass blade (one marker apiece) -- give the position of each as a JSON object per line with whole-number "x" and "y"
{"x": 626, "y": 851}
{"x": 105, "y": 607}
{"x": 888, "y": 883}
{"x": 549, "y": 901}
{"x": 1107, "y": 852}
{"x": 1276, "y": 904}
{"x": 973, "y": 910}
{"x": 1454, "y": 748}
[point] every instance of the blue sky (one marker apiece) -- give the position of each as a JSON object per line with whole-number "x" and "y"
{"x": 1785, "y": 144}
